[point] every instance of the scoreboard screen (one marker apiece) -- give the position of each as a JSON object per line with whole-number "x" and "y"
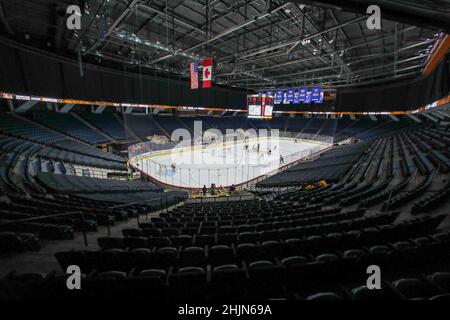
{"x": 260, "y": 106}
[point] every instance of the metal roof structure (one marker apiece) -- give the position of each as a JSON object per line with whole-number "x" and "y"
{"x": 255, "y": 44}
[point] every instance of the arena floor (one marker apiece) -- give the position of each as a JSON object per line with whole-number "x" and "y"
{"x": 225, "y": 164}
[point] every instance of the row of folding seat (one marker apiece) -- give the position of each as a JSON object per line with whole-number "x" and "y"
{"x": 41, "y": 230}
{"x": 270, "y": 278}
{"x": 254, "y": 215}
{"x": 18, "y": 242}
{"x": 432, "y": 201}
{"x": 287, "y": 207}
{"x": 435, "y": 286}
{"x": 224, "y": 205}
{"x": 299, "y": 194}
{"x": 261, "y": 222}
{"x": 240, "y": 225}
{"x": 300, "y": 177}
{"x": 68, "y": 204}
{"x": 360, "y": 188}
{"x": 72, "y": 156}
{"x": 91, "y": 219}
{"x": 260, "y": 280}
{"x": 360, "y": 197}
{"x": 20, "y": 236}
{"x": 158, "y": 237}
{"x": 72, "y": 183}
{"x": 304, "y": 278}
{"x": 278, "y": 249}
{"x": 338, "y": 190}
{"x": 207, "y": 209}
{"x": 433, "y": 147}
{"x": 36, "y": 205}
{"x": 405, "y": 197}
{"x": 40, "y": 206}
{"x": 384, "y": 194}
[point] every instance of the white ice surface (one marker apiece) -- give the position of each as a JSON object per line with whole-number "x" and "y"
{"x": 225, "y": 165}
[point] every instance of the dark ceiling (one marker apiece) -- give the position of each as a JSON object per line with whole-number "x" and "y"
{"x": 255, "y": 44}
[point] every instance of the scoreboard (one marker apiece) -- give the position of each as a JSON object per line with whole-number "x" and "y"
{"x": 260, "y": 106}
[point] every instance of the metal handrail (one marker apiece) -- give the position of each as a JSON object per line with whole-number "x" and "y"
{"x": 58, "y": 215}
{"x": 81, "y": 213}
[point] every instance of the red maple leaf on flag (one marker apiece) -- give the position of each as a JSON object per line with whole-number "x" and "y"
{"x": 207, "y": 73}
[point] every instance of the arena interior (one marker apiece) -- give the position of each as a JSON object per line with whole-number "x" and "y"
{"x": 210, "y": 150}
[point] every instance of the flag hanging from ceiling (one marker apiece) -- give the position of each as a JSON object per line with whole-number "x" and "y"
{"x": 194, "y": 75}
{"x": 207, "y": 73}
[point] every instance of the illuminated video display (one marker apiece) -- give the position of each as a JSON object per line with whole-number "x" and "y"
{"x": 260, "y": 106}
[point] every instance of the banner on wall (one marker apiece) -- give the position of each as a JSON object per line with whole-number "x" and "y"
{"x": 279, "y": 96}
{"x": 315, "y": 94}
{"x": 290, "y": 95}
{"x": 302, "y": 94}
{"x": 308, "y": 97}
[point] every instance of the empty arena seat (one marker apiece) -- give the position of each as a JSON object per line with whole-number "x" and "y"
{"x": 135, "y": 242}
{"x": 165, "y": 257}
{"x": 442, "y": 279}
{"x": 193, "y": 257}
{"x": 248, "y": 252}
{"x": 202, "y": 240}
{"x": 153, "y": 273}
{"x": 113, "y": 275}
{"x": 220, "y": 255}
{"x": 141, "y": 259}
{"x": 149, "y": 232}
{"x": 187, "y": 284}
{"x": 266, "y": 279}
{"x": 324, "y": 296}
{"x": 227, "y": 238}
{"x": 132, "y": 232}
{"x": 111, "y": 243}
{"x": 182, "y": 240}
{"x": 228, "y": 282}
{"x": 249, "y": 237}
{"x": 159, "y": 242}
{"x": 414, "y": 288}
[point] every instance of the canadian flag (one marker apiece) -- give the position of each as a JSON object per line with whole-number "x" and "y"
{"x": 207, "y": 73}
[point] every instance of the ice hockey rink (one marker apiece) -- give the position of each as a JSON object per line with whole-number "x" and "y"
{"x": 224, "y": 164}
